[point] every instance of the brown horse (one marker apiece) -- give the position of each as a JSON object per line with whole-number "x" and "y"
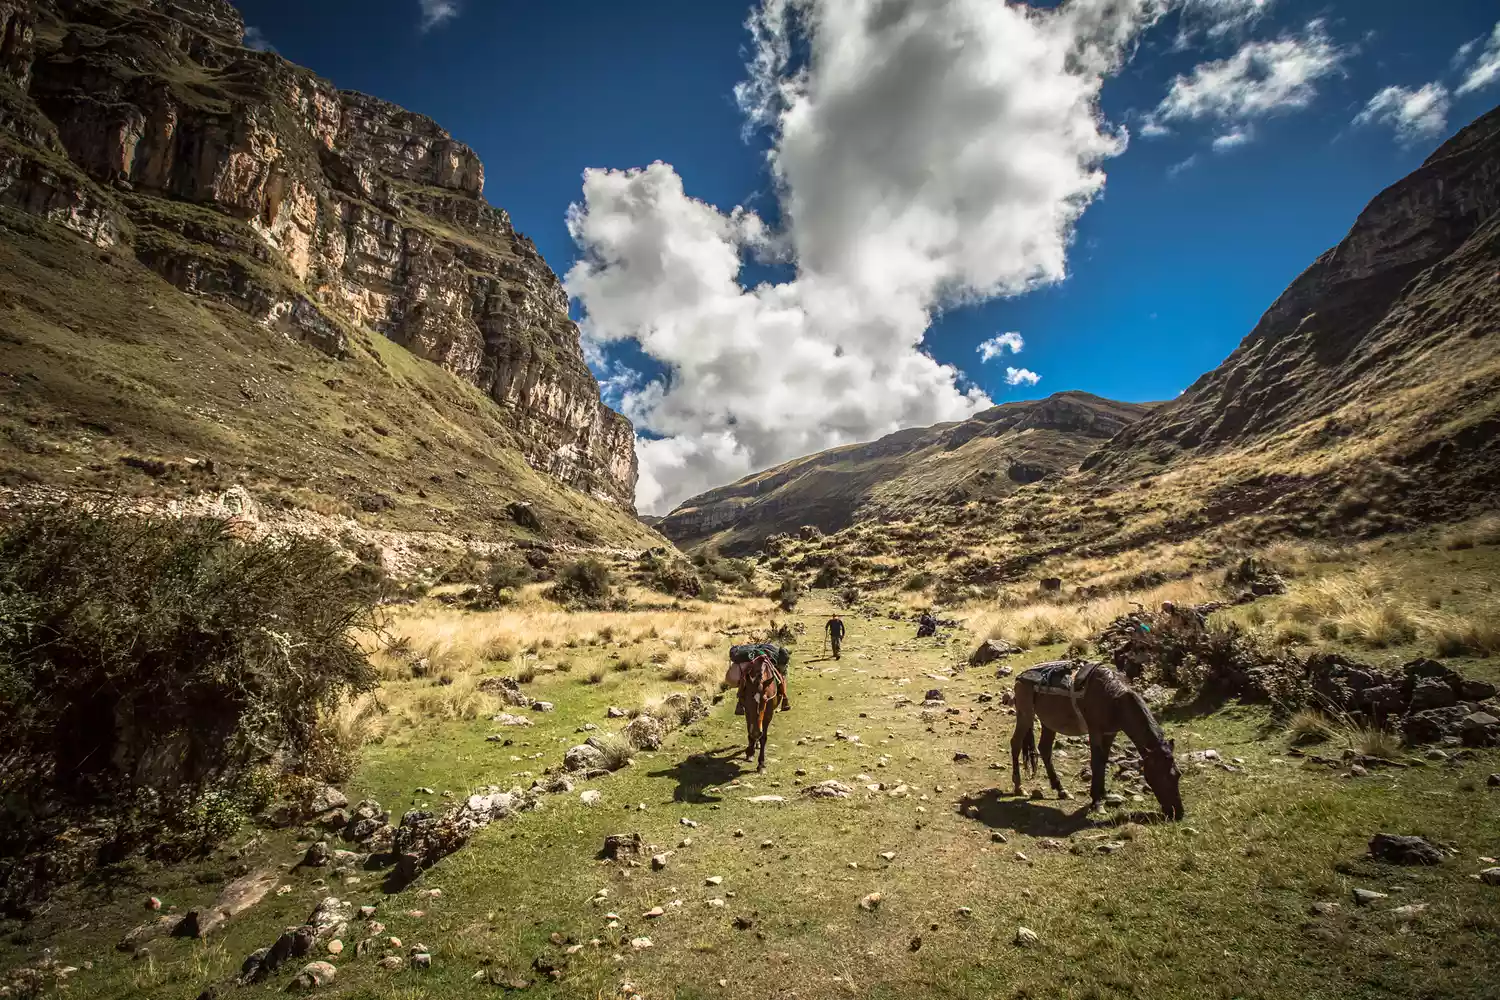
{"x": 760, "y": 694}
{"x": 1078, "y": 699}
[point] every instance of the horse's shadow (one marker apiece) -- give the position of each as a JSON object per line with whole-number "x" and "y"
{"x": 1041, "y": 817}
{"x": 707, "y": 769}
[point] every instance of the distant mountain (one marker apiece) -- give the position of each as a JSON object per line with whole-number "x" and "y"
{"x": 983, "y": 458}
{"x": 1374, "y": 380}
{"x": 216, "y": 268}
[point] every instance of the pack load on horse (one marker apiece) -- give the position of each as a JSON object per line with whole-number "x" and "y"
{"x": 1078, "y": 698}
{"x": 759, "y": 670}
{"x": 745, "y": 654}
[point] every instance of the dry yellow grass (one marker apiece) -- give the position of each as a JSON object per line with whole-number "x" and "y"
{"x": 1045, "y": 623}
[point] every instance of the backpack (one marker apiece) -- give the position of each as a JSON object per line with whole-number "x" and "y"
{"x": 748, "y": 651}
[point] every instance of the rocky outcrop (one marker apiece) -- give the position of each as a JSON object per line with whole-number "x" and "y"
{"x": 238, "y": 176}
{"x": 1384, "y": 345}
{"x": 985, "y": 457}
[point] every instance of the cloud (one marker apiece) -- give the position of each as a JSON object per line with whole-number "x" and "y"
{"x": 925, "y": 154}
{"x": 256, "y": 39}
{"x": 436, "y": 12}
{"x": 997, "y": 346}
{"x": 1414, "y": 114}
{"x": 1180, "y": 166}
{"x": 1485, "y": 70}
{"x": 1218, "y": 18}
{"x": 1232, "y": 139}
{"x": 1017, "y": 376}
{"x": 1263, "y": 78}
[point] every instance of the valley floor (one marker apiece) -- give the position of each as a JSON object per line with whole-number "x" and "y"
{"x": 1219, "y": 905}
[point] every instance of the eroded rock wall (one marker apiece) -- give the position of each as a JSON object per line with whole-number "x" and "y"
{"x": 237, "y": 175}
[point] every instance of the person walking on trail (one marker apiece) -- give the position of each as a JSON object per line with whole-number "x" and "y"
{"x": 742, "y": 655}
{"x": 835, "y": 630}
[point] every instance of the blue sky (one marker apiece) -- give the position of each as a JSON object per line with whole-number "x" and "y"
{"x": 1167, "y": 267}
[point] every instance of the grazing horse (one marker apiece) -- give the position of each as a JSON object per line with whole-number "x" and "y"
{"x": 1090, "y": 699}
{"x": 760, "y": 694}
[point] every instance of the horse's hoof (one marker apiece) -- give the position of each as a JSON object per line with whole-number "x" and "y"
{"x": 1036, "y": 795}
{"x": 1018, "y": 791}
{"x": 1064, "y": 794}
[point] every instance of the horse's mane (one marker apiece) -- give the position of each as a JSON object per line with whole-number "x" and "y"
{"x": 1117, "y": 687}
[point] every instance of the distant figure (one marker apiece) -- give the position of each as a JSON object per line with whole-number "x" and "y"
{"x": 835, "y": 630}
{"x": 926, "y": 625}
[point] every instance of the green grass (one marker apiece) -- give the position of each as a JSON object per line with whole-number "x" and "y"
{"x": 1214, "y": 906}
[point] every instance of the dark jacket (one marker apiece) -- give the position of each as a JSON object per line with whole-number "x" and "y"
{"x": 836, "y": 628}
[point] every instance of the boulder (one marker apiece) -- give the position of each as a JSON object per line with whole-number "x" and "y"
{"x": 621, "y": 846}
{"x": 1403, "y": 850}
{"x": 645, "y": 732}
{"x": 507, "y": 689}
{"x": 992, "y": 650}
{"x": 313, "y": 976}
{"x": 583, "y": 758}
{"x": 828, "y": 790}
{"x": 1431, "y": 692}
{"x": 1480, "y": 729}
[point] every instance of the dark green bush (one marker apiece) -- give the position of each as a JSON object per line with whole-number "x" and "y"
{"x": 788, "y": 592}
{"x": 675, "y": 578}
{"x": 150, "y": 670}
{"x": 585, "y": 582}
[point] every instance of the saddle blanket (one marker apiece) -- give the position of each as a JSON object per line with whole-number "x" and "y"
{"x": 1058, "y": 677}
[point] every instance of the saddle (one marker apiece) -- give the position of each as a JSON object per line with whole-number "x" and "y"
{"x": 1065, "y": 678}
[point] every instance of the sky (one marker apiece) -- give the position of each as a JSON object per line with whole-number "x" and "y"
{"x": 788, "y": 225}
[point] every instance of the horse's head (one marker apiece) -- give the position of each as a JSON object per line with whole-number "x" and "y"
{"x": 1160, "y": 770}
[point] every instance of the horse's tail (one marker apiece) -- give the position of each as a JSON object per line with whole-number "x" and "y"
{"x": 1028, "y": 749}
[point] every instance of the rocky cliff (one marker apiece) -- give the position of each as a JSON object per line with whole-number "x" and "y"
{"x": 1380, "y": 361}
{"x": 984, "y": 458}
{"x": 147, "y": 126}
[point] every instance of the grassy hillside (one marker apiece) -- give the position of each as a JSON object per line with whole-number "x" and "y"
{"x": 111, "y": 379}
{"x": 979, "y": 460}
{"x": 1250, "y": 896}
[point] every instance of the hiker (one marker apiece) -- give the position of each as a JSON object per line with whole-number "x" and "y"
{"x": 926, "y": 625}
{"x": 743, "y": 655}
{"x": 835, "y": 630}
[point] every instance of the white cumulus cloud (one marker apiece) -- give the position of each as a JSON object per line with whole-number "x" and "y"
{"x": 1232, "y": 139}
{"x": 999, "y": 344}
{"x": 1018, "y": 376}
{"x": 1263, "y": 78}
{"x": 1485, "y": 69}
{"x": 436, "y": 12}
{"x": 926, "y": 153}
{"x": 1218, "y": 18}
{"x": 1414, "y": 114}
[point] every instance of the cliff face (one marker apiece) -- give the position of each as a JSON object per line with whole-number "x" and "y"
{"x": 240, "y": 177}
{"x": 1403, "y": 309}
{"x": 907, "y": 473}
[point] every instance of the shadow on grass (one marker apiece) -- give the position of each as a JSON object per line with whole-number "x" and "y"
{"x": 708, "y": 769}
{"x": 1206, "y": 702}
{"x": 1041, "y": 817}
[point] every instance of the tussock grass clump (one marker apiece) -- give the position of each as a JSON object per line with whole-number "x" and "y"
{"x": 1310, "y": 726}
{"x": 616, "y": 749}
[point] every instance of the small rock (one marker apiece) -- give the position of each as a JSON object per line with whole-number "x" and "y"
{"x": 871, "y": 902}
{"x": 1367, "y": 897}
{"x": 1490, "y": 876}
{"x": 591, "y": 797}
{"x": 767, "y": 799}
{"x": 716, "y": 903}
{"x": 658, "y": 862}
{"x": 1494, "y": 780}
{"x": 541, "y": 706}
{"x": 964, "y": 911}
{"x": 714, "y": 880}
{"x": 889, "y": 855}
{"x": 335, "y": 947}
{"x": 1022, "y": 857}
{"x": 313, "y": 976}
{"x": 1402, "y": 850}
{"x": 1110, "y": 847}
{"x": 654, "y": 913}
{"x": 155, "y": 904}
{"x": 640, "y": 943}
{"x": 692, "y": 823}
{"x": 614, "y": 713}
{"x": 421, "y": 960}
{"x": 685, "y": 842}
{"x": 767, "y": 843}
{"x": 1324, "y": 908}
{"x": 392, "y": 963}
{"x": 1026, "y": 937}
{"x": 997, "y": 837}
{"x": 1410, "y": 910}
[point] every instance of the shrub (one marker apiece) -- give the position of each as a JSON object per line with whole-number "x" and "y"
{"x": 789, "y": 592}
{"x": 919, "y": 581}
{"x": 595, "y": 676}
{"x": 833, "y": 573}
{"x": 146, "y": 666}
{"x": 508, "y": 573}
{"x": 676, "y": 578}
{"x": 585, "y": 582}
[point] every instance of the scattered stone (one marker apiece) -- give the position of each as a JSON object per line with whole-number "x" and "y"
{"x": 1367, "y": 897}
{"x": 155, "y": 904}
{"x": 1324, "y": 908}
{"x": 1026, "y": 937}
{"x": 584, "y": 758}
{"x": 767, "y": 799}
{"x": 716, "y": 903}
{"x": 1114, "y": 799}
{"x": 889, "y": 855}
{"x": 654, "y": 913}
{"x": 392, "y": 963}
{"x": 620, "y": 846}
{"x": 743, "y": 923}
{"x": 871, "y": 902}
{"x": 640, "y": 943}
{"x": 1490, "y": 876}
{"x": 1020, "y": 856}
{"x": 961, "y": 756}
{"x": 645, "y": 732}
{"x": 591, "y": 797}
{"x": 318, "y": 855}
{"x": 542, "y": 706}
{"x": 1410, "y": 910}
{"x": 828, "y": 790}
{"x": 685, "y": 842}
{"x": 767, "y": 843}
{"x": 1110, "y": 847}
{"x": 997, "y": 837}
{"x": 614, "y": 713}
{"x": 992, "y": 650}
{"x": 335, "y": 947}
{"x": 421, "y": 960}
{"x": 714, "y": 880}
{"x": 313, "y": 976}
{"x": 690, "y": 823}
{"x": 1494, "y": 780}
{"x": 506, "y": 719}
{"x": 658, "y": 862}
{"x": 1401, "y": 850}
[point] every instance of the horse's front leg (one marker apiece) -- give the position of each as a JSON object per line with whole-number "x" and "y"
{"x": 1099, "y": 745}
{"x": 765, "y": 731}
{"x": 752, "y": 723}
{"x": 1048, "y": 738}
